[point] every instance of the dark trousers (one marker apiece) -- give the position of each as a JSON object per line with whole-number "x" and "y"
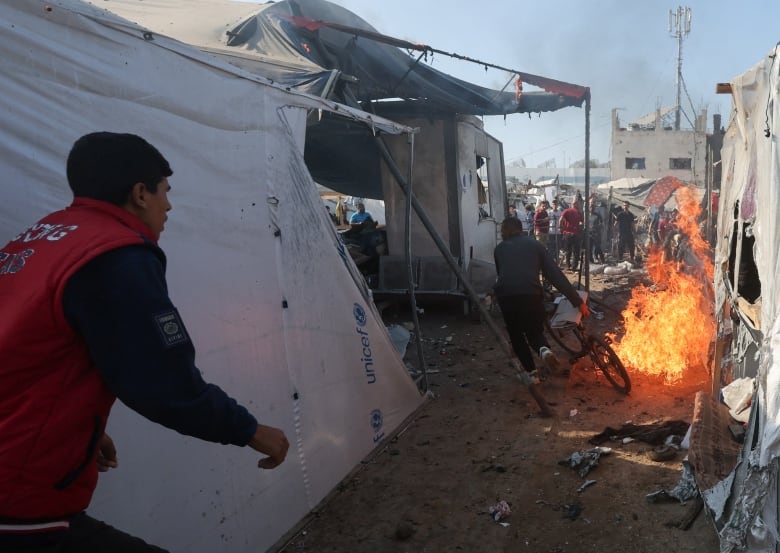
{"x": 596, "y": 253}
{"x": 524, "y": 319}
{"x": 626, "y": 243}
{"x": 88, "y": 535}
{"x": 572, "y": 244}
{"x": 554, "y": 242}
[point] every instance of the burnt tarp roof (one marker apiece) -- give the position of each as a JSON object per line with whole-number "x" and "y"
{"x": 378, "y": 67}
{"x": 325, "y": 50}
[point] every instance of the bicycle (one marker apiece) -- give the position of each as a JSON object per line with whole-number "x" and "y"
{"x": 564, "y": 325}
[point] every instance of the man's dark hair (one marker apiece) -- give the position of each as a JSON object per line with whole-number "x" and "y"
{"x": 511, "y": 226}
{"x": 105, "y": 166}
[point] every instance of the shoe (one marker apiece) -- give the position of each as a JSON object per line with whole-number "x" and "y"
{"x": 549, "y": 359}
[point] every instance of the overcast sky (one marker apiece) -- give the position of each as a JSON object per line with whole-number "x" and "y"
{"x": 621, "y": 49}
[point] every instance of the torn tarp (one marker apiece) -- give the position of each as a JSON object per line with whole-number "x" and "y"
{"x": 684, "y": 490}
{"x": 583, "y": 461}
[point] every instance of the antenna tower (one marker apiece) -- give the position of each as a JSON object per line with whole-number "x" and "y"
{"x": 679, "y": 27}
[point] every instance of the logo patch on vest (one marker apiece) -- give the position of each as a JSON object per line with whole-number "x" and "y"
{"x": 171, "y": 328}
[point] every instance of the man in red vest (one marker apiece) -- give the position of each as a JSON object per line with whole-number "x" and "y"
{"x": 87, "y": 319}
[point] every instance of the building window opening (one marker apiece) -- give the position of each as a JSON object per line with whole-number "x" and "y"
{"x": 680, "y": 163}
{"x": 635, "y": 163}
{"x": 483, "y": 196}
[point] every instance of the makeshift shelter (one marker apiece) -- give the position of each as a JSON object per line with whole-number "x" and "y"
{"x": 646, "y": 193}
{"x": 279, "y": 315}
{"x": 325, "y": 49}
{"x": 747, "y": 304}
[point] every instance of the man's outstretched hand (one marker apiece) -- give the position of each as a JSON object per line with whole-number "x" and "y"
{"x": 106, "y": 458}
{"x": 272, "y": 442}
{"x": 584, "y": 309}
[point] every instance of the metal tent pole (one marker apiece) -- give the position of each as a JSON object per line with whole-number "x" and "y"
{"x": 410, "y": 270}
{"x": 534, "y": 389}
{"x": 586, "y": 208}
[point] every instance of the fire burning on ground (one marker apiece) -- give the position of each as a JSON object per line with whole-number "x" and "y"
{"x": 670, "y": 325}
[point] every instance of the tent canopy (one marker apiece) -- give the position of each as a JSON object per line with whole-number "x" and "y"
{"x": 326, "y": 50}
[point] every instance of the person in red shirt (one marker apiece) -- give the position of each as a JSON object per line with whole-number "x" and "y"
{"x": 542, "y": 222}
{"x": 571, "y": 224}
{"x": 110, "y": 331}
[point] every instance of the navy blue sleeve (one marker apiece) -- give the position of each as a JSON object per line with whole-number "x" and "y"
{"x": 119, "y": 303}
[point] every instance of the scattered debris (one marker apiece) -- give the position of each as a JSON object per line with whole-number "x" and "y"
{"x": 497, "y": 468}
{"x": 500, "y": 510}
{"x": 572, "y": 510}
{"x": 583, "y": 461}
{"x": 738, "y": 396}
{"x": 684, "y": 490}
{"x": 692, "y": 512}
{"x": 654, "y": 434}
{"x": 585, "y": 484}
{"x": 662, "y": 453}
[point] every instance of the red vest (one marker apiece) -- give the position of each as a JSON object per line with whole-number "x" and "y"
{"x": 53, "y": 402}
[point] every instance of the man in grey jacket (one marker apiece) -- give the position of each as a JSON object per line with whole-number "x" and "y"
{"x": 520, "y": 261}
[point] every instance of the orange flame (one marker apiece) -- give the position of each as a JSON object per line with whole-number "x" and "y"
{"x": 670, "y": 326}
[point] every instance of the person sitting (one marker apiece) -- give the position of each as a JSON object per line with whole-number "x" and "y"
{"x": 361, "y": 216}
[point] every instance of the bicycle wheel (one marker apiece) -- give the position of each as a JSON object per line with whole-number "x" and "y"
{"x": 565, "y": 336}
{"x": 609, "y": 363}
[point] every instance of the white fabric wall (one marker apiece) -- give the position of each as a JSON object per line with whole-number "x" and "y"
{"x": 751, "y": 176}
{"x": 247, "y": 232}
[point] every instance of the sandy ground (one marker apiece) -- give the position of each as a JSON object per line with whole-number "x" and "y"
{"x": 480, "y": 440}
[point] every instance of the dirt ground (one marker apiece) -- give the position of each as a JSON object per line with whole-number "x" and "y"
{"x": 480, "y": 440}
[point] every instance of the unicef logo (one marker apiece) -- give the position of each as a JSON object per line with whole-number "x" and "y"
{"x": 376, "y": 420}
{"x": 360, "y": 315}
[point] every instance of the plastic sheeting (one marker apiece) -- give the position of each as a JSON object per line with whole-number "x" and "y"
{"x": 322, "y": 48}
{"x": 279, "y": 315}
{"x": 750, "y": 194}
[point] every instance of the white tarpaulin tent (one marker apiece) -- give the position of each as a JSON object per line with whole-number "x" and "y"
{"x": 278, "y": 313}
{"x": 749, "y": 308}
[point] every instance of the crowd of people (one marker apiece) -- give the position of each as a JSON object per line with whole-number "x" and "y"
{"x": 560, "y": 229}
